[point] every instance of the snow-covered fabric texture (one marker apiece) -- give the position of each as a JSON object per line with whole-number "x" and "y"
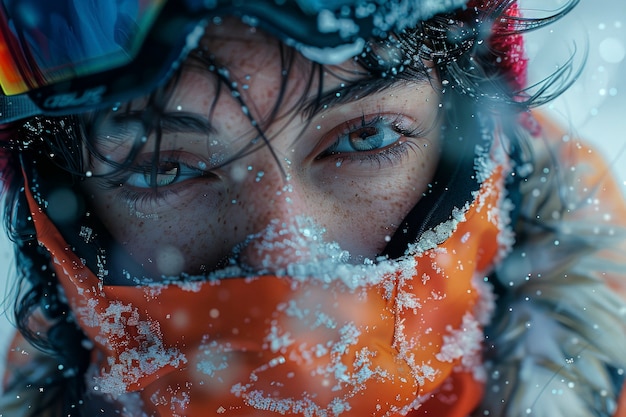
{"x": 387, "y": 14}
{"x": 294, "y": 346}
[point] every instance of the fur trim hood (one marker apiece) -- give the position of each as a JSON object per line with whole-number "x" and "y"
{"x": 557, "y": 342}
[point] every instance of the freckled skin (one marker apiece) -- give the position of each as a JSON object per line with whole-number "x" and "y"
{"x": 359, "y": 203}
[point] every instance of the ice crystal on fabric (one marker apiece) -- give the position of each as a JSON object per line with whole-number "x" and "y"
{"x": 322, "y": 261}
{"x": 278, "y": 340}
{"x": 405, "y": 13}
{"x": 116, "y": 322}
{"x": 463, "y": 343}
{"x": 386, "y": 16}
{"x": 432, "y": 238}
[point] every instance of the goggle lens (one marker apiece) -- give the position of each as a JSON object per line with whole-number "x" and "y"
{"x": 43, "y": 43}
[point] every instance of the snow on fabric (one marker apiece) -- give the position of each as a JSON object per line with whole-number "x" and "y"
{"x": 387, "y": 16}
{"x": 146, "y": 357}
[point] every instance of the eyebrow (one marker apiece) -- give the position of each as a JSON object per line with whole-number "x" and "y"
{"x": 170, "y": 121}
{"x": 355, "y": 90}
{"x": 349, "y": 91}
{"x": 176, "y": 121}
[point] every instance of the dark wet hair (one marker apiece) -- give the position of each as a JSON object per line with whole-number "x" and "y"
{"x": 477, "y": 88}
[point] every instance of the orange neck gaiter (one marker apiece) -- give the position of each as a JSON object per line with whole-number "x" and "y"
{"x": 389, "y": 339}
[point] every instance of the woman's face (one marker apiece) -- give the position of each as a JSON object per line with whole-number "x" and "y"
{"x": 354, "y": 168}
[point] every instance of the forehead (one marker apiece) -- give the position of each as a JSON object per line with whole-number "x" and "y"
{"x": 258, "y": 66}
{"x": 238, "y": 45}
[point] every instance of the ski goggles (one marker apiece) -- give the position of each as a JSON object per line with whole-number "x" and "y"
{"x": 64, "y": 57}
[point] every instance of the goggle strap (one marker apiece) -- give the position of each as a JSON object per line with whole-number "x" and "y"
{"x": 17, "y": 107}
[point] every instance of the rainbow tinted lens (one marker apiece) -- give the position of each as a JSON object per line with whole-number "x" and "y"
{"x": 43, "y": 42}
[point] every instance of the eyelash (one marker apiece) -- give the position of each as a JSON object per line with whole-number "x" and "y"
{"x": 153, "y": 195}
{"x": 390, "y": 154}
{"x": 141, "y": 201}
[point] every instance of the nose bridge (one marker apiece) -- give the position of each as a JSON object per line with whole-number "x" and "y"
{"x": 269, "y": 190}
{"x": 274, "y": 206}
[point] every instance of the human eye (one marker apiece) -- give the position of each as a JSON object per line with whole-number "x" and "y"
{"x": 366, "y": 136}
{"x": 163, "y": 174}
{"x": 371, "y": 138}
{"x": 153, "y": 183}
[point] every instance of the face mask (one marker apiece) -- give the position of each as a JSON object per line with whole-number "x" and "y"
{"x": 379, "y": 339}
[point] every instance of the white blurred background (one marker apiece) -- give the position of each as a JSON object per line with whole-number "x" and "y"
{"x": 594, "y": 108}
